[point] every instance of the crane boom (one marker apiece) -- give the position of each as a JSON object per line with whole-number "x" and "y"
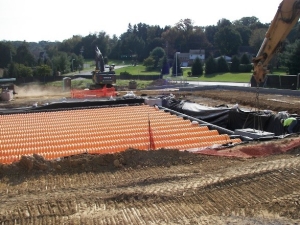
{"x": 286, "y": 17}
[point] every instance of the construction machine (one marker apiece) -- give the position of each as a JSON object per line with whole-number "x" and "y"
{"x": 286, "y": 17}
{"x": 101, "y": 78}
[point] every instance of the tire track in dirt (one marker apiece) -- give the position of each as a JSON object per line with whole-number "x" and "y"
{"x": 241, "y": 192}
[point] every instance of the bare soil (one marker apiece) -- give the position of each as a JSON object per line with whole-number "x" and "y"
{"x": 155, "y": 187}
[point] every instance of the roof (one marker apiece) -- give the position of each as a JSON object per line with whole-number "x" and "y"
{"x": 196, "y": 51}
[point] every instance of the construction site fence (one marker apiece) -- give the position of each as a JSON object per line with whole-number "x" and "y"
{"x": 279, "y": 81}
{"x": 98, "y": 93}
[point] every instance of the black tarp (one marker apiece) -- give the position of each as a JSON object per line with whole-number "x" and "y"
{"x": 239, "y": 119}
{"x": 231, "y": 118}
{"x": 214, "y": 115}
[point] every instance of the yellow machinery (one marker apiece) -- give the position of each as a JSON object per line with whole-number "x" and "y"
{"x": 286, "y": 17}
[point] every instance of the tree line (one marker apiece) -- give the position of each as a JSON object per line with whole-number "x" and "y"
{"x": 153, "y": 46}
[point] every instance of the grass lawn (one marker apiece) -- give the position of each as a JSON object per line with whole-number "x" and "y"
{"x": 221, "y": 77}
{"x": 136, "y": 70}
{"x": 139, "y": 70}
{"x": 216, "y": 77}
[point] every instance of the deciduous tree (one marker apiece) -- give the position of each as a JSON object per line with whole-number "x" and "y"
{"x": 228, "y": 40}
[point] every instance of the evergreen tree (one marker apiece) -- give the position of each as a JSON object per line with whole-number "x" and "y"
{"x": 245, "y": 65}
{"x": 235, "y": 64}
{"x": 177, "y": 72}
{"x": 165, "y": 66}
{"x": 245, "y": 59}
{"x": 211, "y": 65}
{"x": 197, "y": 67}
{"x": 222, "y": 65}
{"x": 7, "y": 51}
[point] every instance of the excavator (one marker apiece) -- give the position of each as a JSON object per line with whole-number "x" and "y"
{"x": 286, "y": 17}
{"x": 100, "y": 77}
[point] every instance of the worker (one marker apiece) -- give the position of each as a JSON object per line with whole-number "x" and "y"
{"x": 289, "y": 124}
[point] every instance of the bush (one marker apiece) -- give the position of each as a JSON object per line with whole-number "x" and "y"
{"x": 235, "y": 64}
{"x": 211, "y": 65}
{"x": 222, "y": 65}
{"x": 245, "y": 59}
{"x": 245, "y": 68}
{"x": 197, "y": 68}
{"x": 125, "y": 73}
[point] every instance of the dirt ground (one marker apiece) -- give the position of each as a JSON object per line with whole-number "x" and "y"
{"x": 29, "y": 95}
{"x": 154, "y": 187}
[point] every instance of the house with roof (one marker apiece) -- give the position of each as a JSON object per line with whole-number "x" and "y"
{"x": 187, "y": 59}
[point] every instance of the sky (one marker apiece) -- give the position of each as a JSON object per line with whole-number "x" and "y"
{"x": 58, "y": 20}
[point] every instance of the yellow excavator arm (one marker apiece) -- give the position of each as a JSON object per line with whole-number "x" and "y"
{"x": 286, "y": 17}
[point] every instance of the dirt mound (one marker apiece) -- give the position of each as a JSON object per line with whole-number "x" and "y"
{"x": 130, "y": 158}
{"x": 159, "y": 82}
{"x": 135, "y": 159}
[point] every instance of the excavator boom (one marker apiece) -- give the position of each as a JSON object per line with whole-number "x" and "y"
{"x": 286, "y": 17}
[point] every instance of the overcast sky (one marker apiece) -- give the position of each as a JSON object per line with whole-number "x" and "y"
{"x": 33, "y": 20}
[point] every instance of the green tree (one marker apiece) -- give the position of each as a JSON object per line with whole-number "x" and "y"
{"x": 292, "y": 57}
{"x": 7, "y": 52}
{"x": 211, "y": 65}
{"x": 149, "y": 63}
{"x": 294, "y": 34}
{"x": 176, "y": 71}
{"x": 157, "y": 54}
{"x": 210, "y": 32}
{"x": 61, "y": 63}
{"x": 197, "y": 39}
{"x": 165, "y": 66}
{"x": 245, "y": 64}
{"x": 245, "y": 33}
{"x": 222, "y": 65}
{"x": 228, "y": 40}
{"x": 235, "y": 64}
{"x": 23, "y": 55}
{"x": 131, "y": 45}
{"x": 197, "y": 67}
{"x": 256, "y": 38}
{"x": 19, "y": 70}
{"x": 245, "y": 59}
{"x": 224, "y": 23}
{"x": 250, "y": 22}
{"x": 12, "y": 71}
{"x": 42, "y": 70}
{"x": 71, "y": 45}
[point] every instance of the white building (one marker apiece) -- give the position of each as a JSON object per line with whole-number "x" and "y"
{"x": 187, "y": 59}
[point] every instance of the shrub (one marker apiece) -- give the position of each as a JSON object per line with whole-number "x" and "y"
{"x": 197, "y": 67}
{"x": 245, "y": 68}
{"x": 235, "y": 64}
{"x": 222, "y": 65}
{"x": 211, "y": 65}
